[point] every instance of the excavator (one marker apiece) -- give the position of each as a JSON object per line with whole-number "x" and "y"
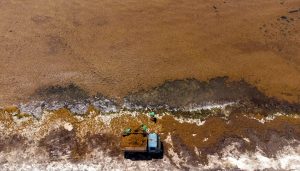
{"x": 140, "y": 140}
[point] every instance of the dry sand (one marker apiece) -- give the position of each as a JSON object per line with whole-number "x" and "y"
{"x": 116, "y": 47}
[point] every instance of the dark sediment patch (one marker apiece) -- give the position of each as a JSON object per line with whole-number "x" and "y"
{"x": 185, "y": 151}
{"x": 270, "y": 141}
{"x": 59, "y": 143}
{"x": 68, "y": 93}
{"x": 183, "y": 96}
{"x": 180, "y": 94}
{"x": 69, "y": 96}
{"x": 12, "y": 142}
{"x": 105, "y": 142}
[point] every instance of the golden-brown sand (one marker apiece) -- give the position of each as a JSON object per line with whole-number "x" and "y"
{"x": 116, "y": 47}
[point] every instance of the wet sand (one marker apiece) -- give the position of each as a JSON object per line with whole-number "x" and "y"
{"x": 117, "y": 47}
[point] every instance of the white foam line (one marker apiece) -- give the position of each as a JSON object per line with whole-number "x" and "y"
{"x": 208, "y": 106}
{"x": 272, "y": 117}
{"x": 198, "y": 122}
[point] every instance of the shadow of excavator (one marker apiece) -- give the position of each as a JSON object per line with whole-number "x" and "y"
{"x": 136, "y": 156}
